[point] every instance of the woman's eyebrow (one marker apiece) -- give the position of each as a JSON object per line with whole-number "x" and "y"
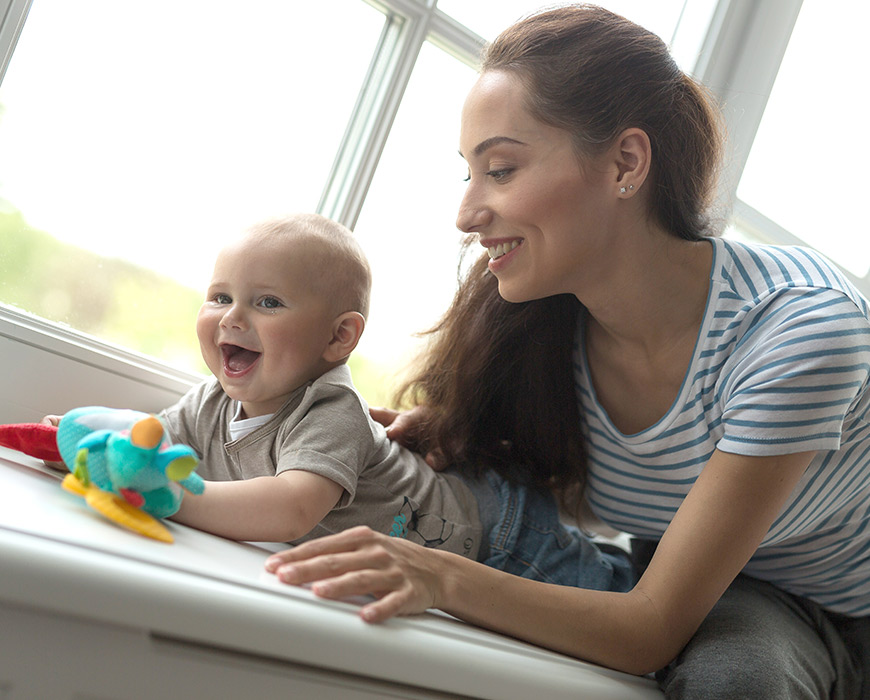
{"x": 486, "y": 144}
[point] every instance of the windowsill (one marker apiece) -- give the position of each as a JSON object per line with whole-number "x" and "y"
{"x": 209, "y": 600}
{"x": 50, "y": 369}
{"x": 204, "y": 597}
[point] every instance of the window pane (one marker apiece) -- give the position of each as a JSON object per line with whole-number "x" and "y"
{"x": 408, "y": 223}
{"x": 805, "y": 168}
{"x": 135, "y": 137}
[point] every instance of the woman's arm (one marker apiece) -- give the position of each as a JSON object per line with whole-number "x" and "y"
{"x": 714, "y": 533}
{"x": 278, "y": 508}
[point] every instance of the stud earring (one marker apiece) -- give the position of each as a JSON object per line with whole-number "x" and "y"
{"x": 622, "y": 190}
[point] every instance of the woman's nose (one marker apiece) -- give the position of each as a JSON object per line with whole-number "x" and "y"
{"x": 473, "y": 214}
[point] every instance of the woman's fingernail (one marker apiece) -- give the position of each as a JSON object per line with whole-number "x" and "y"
{"x": 321, "y": 589}
{"x": 287, "y": 573}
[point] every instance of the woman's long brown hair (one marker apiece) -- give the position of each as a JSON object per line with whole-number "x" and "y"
{"x": 498, "y": 377}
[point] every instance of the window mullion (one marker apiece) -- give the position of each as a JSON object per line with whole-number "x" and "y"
{"x": 455, "y": 39}
{"x": 739, "y": 61}
{"x": 390, "y": 70}
{"x": 13, "y": 13}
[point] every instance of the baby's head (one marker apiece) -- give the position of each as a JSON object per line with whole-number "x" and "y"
{"x": 336, "y": 267}
{"x": 286, "y": 303}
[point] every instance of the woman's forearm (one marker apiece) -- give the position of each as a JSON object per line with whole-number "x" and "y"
{"x": 617, "y": 630}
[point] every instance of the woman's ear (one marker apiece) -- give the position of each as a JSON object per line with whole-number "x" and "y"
{"x": 347, "y": 329}
{"x": 633, "y": 155}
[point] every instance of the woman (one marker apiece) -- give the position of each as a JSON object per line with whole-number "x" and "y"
{"x": 722, "y": 387}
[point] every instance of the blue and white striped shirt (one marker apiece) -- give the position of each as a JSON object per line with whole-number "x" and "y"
{"x": 781, "y": 365}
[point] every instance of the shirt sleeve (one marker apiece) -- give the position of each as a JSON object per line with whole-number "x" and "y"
{"x": 797, "y": 373}
{"x": 333, "y": 438}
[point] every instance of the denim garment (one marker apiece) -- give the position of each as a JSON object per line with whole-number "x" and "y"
{"x": 527, "y": 538}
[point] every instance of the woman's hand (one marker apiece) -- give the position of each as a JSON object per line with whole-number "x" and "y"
{"x": 406, "y": 428}
{"x": 402, "y": 575}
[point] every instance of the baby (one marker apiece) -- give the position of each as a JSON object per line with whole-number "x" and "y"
{"x": 288, "y": 449}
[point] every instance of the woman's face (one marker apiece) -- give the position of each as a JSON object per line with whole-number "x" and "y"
{"x": 544, "y": 219}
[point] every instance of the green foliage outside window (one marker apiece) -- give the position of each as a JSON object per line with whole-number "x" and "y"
{"x": 118, "y": 301}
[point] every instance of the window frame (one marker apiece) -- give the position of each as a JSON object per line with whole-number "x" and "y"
{"x": 739, "y": 59}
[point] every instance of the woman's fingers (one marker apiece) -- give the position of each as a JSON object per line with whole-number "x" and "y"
{"x": 402, "y": 427}
{"x": 360, "y": 562}
{"x": 384, "y": 416}
{"x": 345, "y": 541}
{"x": 390, "y": 605}
{"x": 376, "y": 582}
{"x": 329, "y": 566}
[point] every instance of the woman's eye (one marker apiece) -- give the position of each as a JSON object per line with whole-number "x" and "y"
{"x": 270, "y": 303}
{"x": 500, "y": 174}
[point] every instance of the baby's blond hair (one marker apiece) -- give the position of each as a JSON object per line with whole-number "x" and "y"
{"x": 339, "y": 269}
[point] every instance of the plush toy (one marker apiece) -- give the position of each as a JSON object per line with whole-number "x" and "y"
{"x": 120, "y": 460}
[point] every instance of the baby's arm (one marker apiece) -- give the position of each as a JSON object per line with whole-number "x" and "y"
{"x": 278, "y": 508}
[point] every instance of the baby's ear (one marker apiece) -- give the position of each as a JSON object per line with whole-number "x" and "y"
{"x": 347, "y": 329}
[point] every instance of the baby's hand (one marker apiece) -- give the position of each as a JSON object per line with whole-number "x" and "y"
{"x": 55, "y": 421}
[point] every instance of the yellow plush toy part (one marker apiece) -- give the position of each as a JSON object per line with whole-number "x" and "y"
{"x": 118, "y": 510}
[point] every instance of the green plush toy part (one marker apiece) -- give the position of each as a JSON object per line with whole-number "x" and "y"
{"x": 120, "y": 461}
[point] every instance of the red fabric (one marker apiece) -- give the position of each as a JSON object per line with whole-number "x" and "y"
{"x": 34, "y": 439}
{"x": 134, "y": 498}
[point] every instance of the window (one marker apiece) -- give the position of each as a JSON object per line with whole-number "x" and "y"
{"x": 134, "y": 138}
{"x": 407, "y": 224}
{"x": 802, "y": 181}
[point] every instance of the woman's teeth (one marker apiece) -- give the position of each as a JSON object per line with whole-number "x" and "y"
{"x": 497, "y": 251}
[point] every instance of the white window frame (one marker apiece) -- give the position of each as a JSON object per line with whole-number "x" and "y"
{"x": 739, "y": 60}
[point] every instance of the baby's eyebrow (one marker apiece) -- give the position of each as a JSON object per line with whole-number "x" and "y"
{"x": 486, "y": 144}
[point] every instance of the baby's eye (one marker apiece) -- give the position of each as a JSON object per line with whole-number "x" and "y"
{"x": 270, "y": 303}
{"x": 222, "y": 299}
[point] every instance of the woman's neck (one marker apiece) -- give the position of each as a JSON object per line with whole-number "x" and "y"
{"x": 654, "y": 298}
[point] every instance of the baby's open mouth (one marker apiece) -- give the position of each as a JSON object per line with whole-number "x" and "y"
{"x": 238, "y": 359}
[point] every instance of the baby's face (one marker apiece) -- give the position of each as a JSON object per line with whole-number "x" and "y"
{"x": 262, "y": 329}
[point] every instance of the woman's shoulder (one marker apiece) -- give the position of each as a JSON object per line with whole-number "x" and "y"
{"x": 755, "y": 273}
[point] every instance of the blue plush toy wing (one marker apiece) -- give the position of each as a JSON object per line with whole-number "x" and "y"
{"x": 95, "y": 440}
